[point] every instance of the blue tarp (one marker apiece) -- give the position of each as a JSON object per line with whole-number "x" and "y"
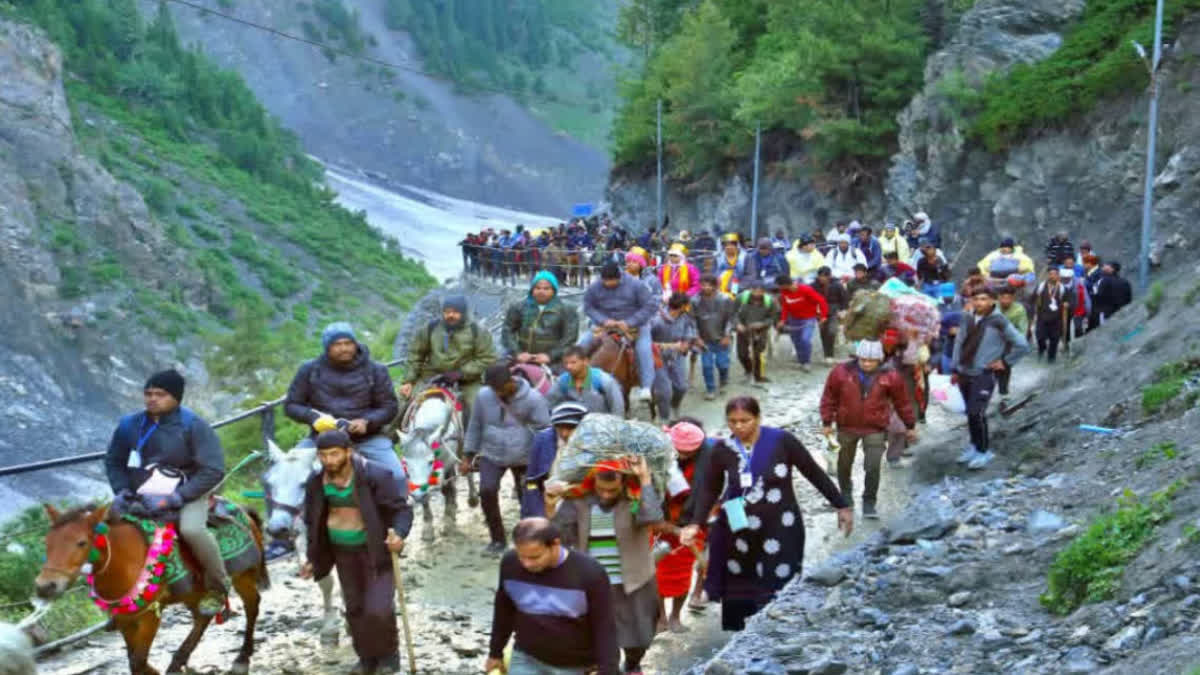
{"x": 581, "y": 210}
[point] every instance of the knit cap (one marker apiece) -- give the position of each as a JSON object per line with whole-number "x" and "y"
{"x": 869, "y": 349}
{"x": 336, "y": 331}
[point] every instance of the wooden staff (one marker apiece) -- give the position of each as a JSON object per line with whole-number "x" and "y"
{"x": 408, "y": 643}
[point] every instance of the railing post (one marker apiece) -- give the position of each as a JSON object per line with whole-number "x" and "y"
{"x": 268, "y": 425}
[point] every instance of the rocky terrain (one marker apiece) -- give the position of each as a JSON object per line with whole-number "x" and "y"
{"x": 952, "y": 584}
{"x": 1086, "y": 177}
{"x": 483, "y": 147}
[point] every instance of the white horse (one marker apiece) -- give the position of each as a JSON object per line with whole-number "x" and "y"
{"x": 283, "y": 487}
{"x": 431, "y": 447}
{"x": 16, "y": 651}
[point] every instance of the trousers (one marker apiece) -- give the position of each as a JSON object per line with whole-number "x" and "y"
{"x": 193, "y": 527}
{"x": 714, "y": 361}
{"x": 1049, "y": 334}
{"x": 670, "y": 386}
{"x": 643, "y": 350}
{"x": 750, "y": 347}
{"x": 874, "y": 445}
{"x": 976, "y": 392}
{"x": 490, "y": 474}
{"x": 828, "y": 332}
{"x": 526, "y": 664}
{"x": 367, "y": 593}
{"x": 801, "y": 331}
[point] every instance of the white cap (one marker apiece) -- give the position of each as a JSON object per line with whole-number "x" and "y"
{"x": 921, "y": 215}
{"x": 869, "y": 349}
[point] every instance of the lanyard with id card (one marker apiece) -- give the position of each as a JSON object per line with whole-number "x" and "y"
{"x": 135, "y": 455}
{"x": 735, "y": 509}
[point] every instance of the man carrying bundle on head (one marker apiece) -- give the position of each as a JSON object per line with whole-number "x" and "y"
{"x": 610, "y": 516}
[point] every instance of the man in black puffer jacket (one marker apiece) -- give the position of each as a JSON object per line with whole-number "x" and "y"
{"x": 344, "y": 383}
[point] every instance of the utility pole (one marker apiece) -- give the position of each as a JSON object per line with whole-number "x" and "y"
{"x": 1151, "y": 137}
{"x": 658, "y": 209}
{"x": 754, "y": 190}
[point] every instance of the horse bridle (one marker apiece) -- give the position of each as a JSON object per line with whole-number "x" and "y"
{"x": 293, "y": 511}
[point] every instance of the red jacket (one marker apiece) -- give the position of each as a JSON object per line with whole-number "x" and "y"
{"x": 843, "y": 400}
{"x": 802, "y": 302}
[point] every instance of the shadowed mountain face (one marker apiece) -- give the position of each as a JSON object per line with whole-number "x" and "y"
{"x": 398, "y": 124}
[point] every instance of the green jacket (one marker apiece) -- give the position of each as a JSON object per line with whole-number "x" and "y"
{"x": 1017, "y": 316}
{"x": 548, "y": 329}
{"x": 469, "y": 350}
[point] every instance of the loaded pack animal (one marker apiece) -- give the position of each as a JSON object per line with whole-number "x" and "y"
{"x": 129, "y": 566}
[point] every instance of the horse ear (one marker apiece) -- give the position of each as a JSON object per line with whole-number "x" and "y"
{"x": 274, "y": 454}
{"x": 98, "y": 514}
{"x": 51, "y": 512}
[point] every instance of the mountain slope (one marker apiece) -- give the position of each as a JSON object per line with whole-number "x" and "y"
{"x": 396, "y": 123}
{"x": 140, "y": 229}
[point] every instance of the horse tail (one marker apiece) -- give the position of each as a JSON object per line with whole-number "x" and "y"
{"x": 264, "y": 577}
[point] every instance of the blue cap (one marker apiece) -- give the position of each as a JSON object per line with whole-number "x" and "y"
{"x": 336, "y": 331}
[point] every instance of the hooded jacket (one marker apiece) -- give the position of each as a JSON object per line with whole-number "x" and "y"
{"x": 663, "y": 328}
{"x": 1004, "y": 265}
{"x": 862, "y": 403}
{"x": 434, "y": 350}
{"x": 362, "y": 389}
{"x": 540, "y": 329}
{"x": 631, "y": 301}
{"x": 842, "y": 262}
{"x": 503, "y": 432}
{"x": 804, "y": 265}
{"x": 1000, "y": 341}
{"x": 894, "y": 243}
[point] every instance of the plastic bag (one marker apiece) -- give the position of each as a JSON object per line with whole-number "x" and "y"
{"x": 946, "y": 394}
{"x": 599, "y": 437}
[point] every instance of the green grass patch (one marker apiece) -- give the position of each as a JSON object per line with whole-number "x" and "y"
{"x": 1154, "y": 298}
{"x": 1168, "y": 383}
{"x": 1089, "y": 569}
{"x": 1095, "y": 61}
{"x": 1160, "y": 451}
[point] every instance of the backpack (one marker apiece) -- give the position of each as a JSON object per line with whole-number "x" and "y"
{"x": 744, "y": 297}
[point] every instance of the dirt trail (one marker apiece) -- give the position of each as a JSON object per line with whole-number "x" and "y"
{"x": 449, "y": 582}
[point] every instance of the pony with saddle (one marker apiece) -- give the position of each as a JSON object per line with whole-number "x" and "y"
{"x": 134, "y": 566}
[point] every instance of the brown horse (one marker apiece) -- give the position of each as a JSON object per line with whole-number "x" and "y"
{"x": 614, "y": 355}
{"x": 117, "y": 571}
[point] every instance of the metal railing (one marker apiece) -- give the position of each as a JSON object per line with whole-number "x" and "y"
{"x": 265, "y": 410}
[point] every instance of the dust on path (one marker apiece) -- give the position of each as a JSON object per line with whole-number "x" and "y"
{"x": 450, "y": 583}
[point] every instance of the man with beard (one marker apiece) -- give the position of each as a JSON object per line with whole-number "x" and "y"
{"x": 454, "y": 349}
{"x": 344, "y": 383}
{"x": 357, "y": 515}
{"x": 610, "y": 517}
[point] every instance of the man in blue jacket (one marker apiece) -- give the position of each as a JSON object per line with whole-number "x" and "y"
{"x": 173, "y": 441}
{"x": 563, "y": 420}
{"x": 619, "y": 302}
{"x": 869, "y": 245}
{"x": 765, "y": 263}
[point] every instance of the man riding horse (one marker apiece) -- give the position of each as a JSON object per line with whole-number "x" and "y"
{"x": 167, "y": 442}
{"x": 540, "y": 328}
{"x": 344, "y": 383}
{"x": 454, "y": 350}
{"x": 619, "y": 302}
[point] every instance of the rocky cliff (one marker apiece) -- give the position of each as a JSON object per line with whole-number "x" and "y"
{"x": 1085, "y": 177}
{"x": 67, "y": 366}
{"x": 396, "y": 123}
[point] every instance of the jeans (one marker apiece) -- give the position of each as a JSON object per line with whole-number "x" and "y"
{"x": 976, "y": 392}
{"x": 715, "y": 354}
{"x": 642, "y": 350}
{"x": 377, "y": 448}
{"x": 524, "y": 664}
{"x": 193, "y": 527}
{"x": 873, "y": 449}
{"x": 801, "y": 331}
{"x": 490, "y": 474}
{"x": 670, "y": 386}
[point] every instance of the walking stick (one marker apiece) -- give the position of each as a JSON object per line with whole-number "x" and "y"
{"x": 408, "y": 643}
